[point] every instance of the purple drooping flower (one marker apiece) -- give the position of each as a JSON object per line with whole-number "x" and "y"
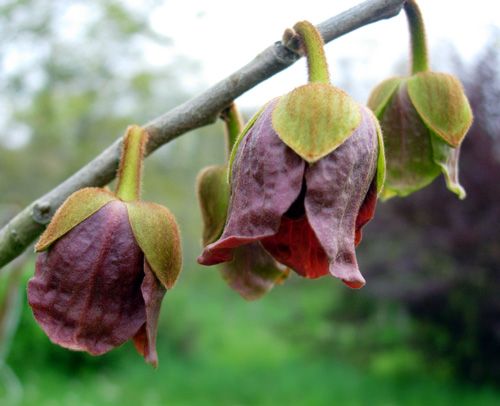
{"x": 308, "y": 216}
{"x": 93, "y": 289}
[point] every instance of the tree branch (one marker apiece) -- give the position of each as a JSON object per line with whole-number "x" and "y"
{"x": 203, "y": 109}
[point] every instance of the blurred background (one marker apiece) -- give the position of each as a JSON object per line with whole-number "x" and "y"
{"x": 425, "y": 330}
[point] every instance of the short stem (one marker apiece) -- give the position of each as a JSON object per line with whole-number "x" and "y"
{"x": 129, "y": 183}
{"x": 233, "y": 124}
{"x": 313, "y": 46}
{"x": 420, "y": 59}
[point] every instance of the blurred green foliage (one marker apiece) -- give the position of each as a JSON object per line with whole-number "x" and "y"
{"x": 419, "y": 324}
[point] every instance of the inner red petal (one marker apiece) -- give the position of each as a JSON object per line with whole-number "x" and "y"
{"x": 366, "y": 210}
{"x": 296, "y": 246}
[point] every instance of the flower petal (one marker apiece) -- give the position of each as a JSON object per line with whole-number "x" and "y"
{"x": 447, "y": 158}
{"x": 295, "y": 245}
{"x": 145, "y": 339}
{"x": 252, "y": 272}
{"x": 408, "y": 148}
{"x": 86, "y": 291}
{"x": 266, "y": 179}
{"x": 366, "y": 210}
{"x": 336, "y": 189}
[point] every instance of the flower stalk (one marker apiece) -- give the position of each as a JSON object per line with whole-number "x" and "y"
{"x": 233, "y": 125}
{"x": 310, "y": 44}
{"x": 419, "y": 53}
{"x": 129, "y": 185}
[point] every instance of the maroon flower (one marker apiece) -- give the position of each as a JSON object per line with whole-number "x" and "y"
{"x": 104, "y": 265}
{"x": 308, "y": 216}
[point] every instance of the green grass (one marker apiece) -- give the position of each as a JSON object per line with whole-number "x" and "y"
{"x": 212, "y": 381}
{"x": 217, "y": 349}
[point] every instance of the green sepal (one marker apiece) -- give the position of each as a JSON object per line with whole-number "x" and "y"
{"x": 78, "y": 207}
{"x": 315, "y": 119}
{"x": 381, "y": 166}
{"x": 382, "y": 93}
{"x": 213, "y": 198}
{"x": 157, "y": 234}
{"x": 441, "y": 102}
{"x": 447, "y": 158}
{"x": 240, "y": 137}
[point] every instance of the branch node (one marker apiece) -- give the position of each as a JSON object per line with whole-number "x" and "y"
{"x": 42, "y": 212}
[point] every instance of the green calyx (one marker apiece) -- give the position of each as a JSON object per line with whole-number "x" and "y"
{"x": 157, "y": 234}
{"x": 129, "y": 183}
{"x": 78, "y": 207}
{"x": 315, "y": 119}
{"x": 441, "y": 103}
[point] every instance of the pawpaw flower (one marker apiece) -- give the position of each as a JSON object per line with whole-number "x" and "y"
{"x": 305, "y": 175}
{"x": 424, "y": 118}
{"x": 105, "y": 263}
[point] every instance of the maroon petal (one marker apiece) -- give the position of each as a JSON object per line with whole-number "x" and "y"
{"x": 295, "y": 245}
{"x": 367, "y": 209}
{"x": 336, "y": 188}
{"x": 145, "y": 339}
{"x": 252, "y": 272}
{"x": 86, "y": 291}
{"x": 266, "y": 178}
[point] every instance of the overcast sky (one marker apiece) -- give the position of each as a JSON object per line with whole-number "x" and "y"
{"x": 226, "y": 34}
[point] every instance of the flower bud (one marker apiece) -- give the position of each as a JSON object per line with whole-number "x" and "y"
{"x": 424, "y": 119}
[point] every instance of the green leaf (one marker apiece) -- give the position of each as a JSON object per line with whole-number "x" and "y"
{"x": 315, "y": 119}
{"x": 213, "y": 198}
{"x": 442, "y": 104}
{"x": 382, "y": 93}
{"x": 79, "y": 206}
{"x": 447, "y": 158}
{"x": 157, "y": 233}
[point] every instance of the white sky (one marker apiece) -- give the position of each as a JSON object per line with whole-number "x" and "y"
{"x": 225, "y": 34}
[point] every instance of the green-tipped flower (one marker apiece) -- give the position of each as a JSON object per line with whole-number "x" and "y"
{"x": 252, "y": 272}
{"x": 424, "y": 118}
{"x": 105, "y": 263}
